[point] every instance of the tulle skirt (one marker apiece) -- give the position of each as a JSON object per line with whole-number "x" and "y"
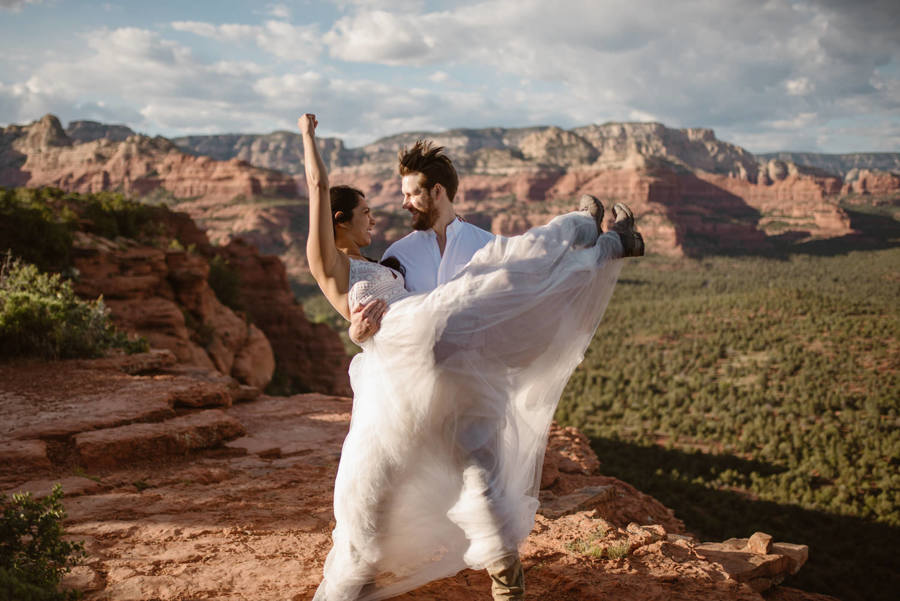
{"x": 453, "y": 400}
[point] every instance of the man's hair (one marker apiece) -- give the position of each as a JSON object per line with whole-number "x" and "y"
{"x": 432, "y": 163}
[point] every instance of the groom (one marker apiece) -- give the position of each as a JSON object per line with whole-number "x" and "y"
{"x": 439, "y": 246}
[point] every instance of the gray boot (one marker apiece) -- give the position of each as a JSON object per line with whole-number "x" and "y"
{"x": 507, "y": 579}
{"x": 632, "y": 241}
{"x": 589, "y": 204}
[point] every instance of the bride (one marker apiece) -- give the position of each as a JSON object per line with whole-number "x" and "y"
{"x": 454, "y": 395}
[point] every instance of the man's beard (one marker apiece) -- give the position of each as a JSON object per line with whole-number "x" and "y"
{"x": 424, "y": 220}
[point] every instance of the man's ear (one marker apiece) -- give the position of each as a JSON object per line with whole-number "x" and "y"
{"x": 436, "y": 190}
{"x": 338, "y": 216}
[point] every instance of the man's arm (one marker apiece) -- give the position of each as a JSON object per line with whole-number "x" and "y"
{"x": 365, "y": 320}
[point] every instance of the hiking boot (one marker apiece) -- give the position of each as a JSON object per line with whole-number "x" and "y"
{"x": 589, "y": 204}
{"x": 507, "y": 579}
{"x": 632, "y": 241}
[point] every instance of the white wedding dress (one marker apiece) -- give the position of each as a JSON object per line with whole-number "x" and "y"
{"x": 453, "y": 400}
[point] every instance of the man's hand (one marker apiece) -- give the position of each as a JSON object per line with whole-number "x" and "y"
{"x": 307, "y": 123}
{"x": 365, "y": 320}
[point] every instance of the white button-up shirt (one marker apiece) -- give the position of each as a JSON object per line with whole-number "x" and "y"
{"x": 419, "y": 254}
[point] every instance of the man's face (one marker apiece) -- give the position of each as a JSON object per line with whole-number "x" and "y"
{"x": 419, "y": 202}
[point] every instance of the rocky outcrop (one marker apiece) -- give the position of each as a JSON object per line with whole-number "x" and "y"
{"x": 160, "y": 285}
{"x": 42, "y": 154}
{"x": 839, "y": 164}
{"x": 880, "y": 185}
{"x": 310, "y": 355}
{"x": 100, "y": 413}
{"x": 280, "y": 150}
{"x": 110, "y": 447}
{"x": 164, "y": 296}
{"x": 167, "y": 504}
{"x": 88, "y": 131}
{"x": 692, "y": 193}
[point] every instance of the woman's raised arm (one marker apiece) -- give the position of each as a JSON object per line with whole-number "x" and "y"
{"x": 321, "y": 253}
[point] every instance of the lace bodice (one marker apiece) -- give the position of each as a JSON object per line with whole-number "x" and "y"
{"x": 369, "y": 281}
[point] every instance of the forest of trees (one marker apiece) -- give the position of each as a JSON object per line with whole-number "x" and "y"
{"x": 755, "y": 393}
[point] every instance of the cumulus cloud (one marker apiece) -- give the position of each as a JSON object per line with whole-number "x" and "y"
{"x": 737, "y": 68}
{"x": 279, "y": 38}
{"x": 795, "y": 74}
{"x": 122, "y": 73}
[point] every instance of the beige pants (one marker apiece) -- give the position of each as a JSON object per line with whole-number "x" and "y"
{"x": 507, "y": 579}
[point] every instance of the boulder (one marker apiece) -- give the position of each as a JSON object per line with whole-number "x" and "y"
{"x": 254, "y": 363}
{"x": 113, "y": 447}
{"x": 20, "y": 457}
{"x": 747, "y": 561}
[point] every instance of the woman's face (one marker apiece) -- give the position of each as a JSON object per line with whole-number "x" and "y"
{"x": 359, "y": 228}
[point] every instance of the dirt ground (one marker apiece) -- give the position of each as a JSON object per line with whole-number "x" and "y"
{"x": 250, "y": 518}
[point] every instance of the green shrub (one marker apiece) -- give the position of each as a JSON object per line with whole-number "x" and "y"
{"x": 40, "y": 315}
{"x": 37, "y": 224}
{"x": 33, "y": 555}
{"x": 111, "y": 214}
{"x": 32, "y": 229}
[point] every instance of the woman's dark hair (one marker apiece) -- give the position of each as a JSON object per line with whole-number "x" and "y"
{"x": 343, "y": 200}
{"x": 395, "y": 264}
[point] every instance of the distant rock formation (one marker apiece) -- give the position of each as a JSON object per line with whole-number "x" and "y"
{"x": 281, "y": 150}
{"x": 839, "y": 164}
{"x": 42, "y": 154}
{"x": 88, "y": 131}
{"x": 692, "y": 193}
{"x": 874, "y": 183}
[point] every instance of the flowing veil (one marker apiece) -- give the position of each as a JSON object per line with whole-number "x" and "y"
{"x": 453, "y": 400}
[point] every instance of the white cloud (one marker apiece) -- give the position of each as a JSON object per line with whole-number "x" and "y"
{"x": 739, "y": 68}
{"x": 16, "y": 5}
{"x": 279, "y": 38}
{"x": 789, "y": 73}
{"x": 800, "y": 86}
{"x": 279, "y": 11}
{"x": 641, "y": 116}
{"x": 391, "y": 39}
{"x": 396, "y": 5}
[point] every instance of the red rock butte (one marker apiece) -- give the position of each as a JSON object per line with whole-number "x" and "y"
{"x": 692, "y": 193}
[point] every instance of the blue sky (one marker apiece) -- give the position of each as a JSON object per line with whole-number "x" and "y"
{"x": 815, "y": 75}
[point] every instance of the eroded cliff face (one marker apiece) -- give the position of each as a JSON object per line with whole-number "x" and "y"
{"x": 691, "y": 192}
{"x": 310, "y": 356}
{"x": 223, "y": 308}
{"x": 165, "y": 297}
{"x": 42, "y": 154}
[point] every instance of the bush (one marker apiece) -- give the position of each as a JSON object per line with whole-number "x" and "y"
{"x": 40, "y": 315}
{"x": 33, "y": 230}
{"x": 38, "y": 224}
{"x": 112, "y": 215}
{"x": 33, "y": 555}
